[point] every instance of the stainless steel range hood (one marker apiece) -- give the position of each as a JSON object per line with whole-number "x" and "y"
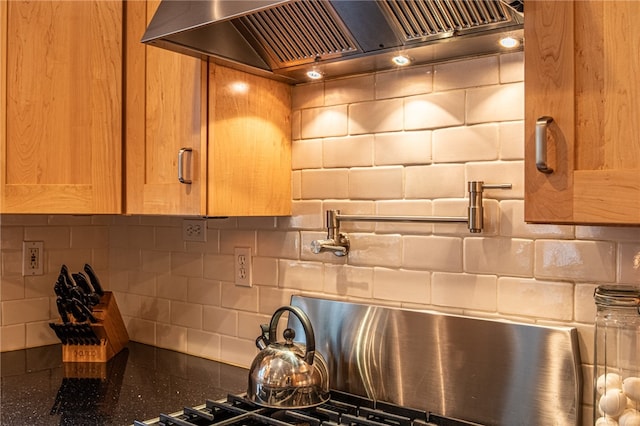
{"x": 284, "y": 39}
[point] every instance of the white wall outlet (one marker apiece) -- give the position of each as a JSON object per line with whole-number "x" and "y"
{"x": 32, "y": 258}
{"x": 194, "y": 230}
{"x": 242, "y": 266}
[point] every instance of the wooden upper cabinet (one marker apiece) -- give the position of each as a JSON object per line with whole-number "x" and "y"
{"x": 166, "y": 124}
{"x": 61, "y": 82}
{"x": 249, "y": 156}
{"x": 237, "y": 127}
{"x": 581, "y": 60}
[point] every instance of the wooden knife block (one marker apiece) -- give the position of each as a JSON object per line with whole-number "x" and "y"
{"x": 109, "y": 329}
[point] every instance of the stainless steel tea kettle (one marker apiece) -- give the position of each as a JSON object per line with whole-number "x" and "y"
{"x": 289, "y": 374}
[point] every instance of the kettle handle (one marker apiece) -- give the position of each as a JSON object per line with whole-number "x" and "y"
{"x": 306, "y": 324}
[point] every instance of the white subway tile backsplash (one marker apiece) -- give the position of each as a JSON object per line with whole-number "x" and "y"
{"x": 376, "y": 117}
{"x": 88, "y": 237}
{"x": 321, "y": 184}
{"x": 187, "y": 264}
{"x": 502, "y": 256}
{"x": 584, "y": 305}
{"x": 375, "y": 250}
{"x": 402, "y": 148}
{"x": 171, "y": 337}
{"x": 432, "y": 253}
{"x": 436, "y": 110}
{"x": 39, "y": 334}
{"x": 307, "y": 96}
{"x": 306, "y": 154}
{"x": 279, "y": 244}
{"x": 219, "y": 267}
{"x": 239, "y": 351}
{"x": 349, "y": 90}
{"x": 241, "y": 298}
{"x": 469, "y": 73}
{"x": 512, "y": 224}
{"x": 172, "y": 287}
{"x": 142, "y": 283}
{"x": 348, "y": 151}
{"x": 219, "y": 320}
{"x": 304, "y": 215}
{"x": 592, "y": 261}
{"x": 203, "y": 344}
{"x": 375, "y": 183}
{"x": 495, "y": 103}
{"x": 324, "y": 122}
{"x": 11, "y": 237}
{"x": 511, "y": 140}
{"x": 13, "y": 337}
{"x": 403, "y": 82}
{"x": 265, "y": 271}
{"x": 155, "y": 309}
{"x": 477, "y": 292}
{"x": 204, "y": 291}
{"x": 462, "y": 144}
{"x": 347, "y": 280}
{"x": 401, "y": 285}
{"x": 629, "y": 263}
{"x": 305, "y": 276}
{"x": 512, "y": 67}
{"x": 435, "y": 181}
{"x": 532, "y": 298}
{"x": 25, "y": 310}
{"x": 186, "y": 314}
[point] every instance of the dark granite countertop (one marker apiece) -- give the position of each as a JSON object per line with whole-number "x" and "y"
{"x": 139, "y": 383}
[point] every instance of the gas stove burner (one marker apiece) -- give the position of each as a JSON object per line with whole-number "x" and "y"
{"x": 343, "y": 409}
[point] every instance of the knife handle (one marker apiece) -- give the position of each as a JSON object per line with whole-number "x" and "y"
{"x": 93, "y": 278}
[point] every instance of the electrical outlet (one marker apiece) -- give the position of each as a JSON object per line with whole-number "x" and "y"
{"x": 194, "y": 230}
{"x": 242, "y": 266}
{"x": 32, "y": 258}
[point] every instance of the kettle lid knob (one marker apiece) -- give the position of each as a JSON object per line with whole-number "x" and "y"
{"x": 289, "y": 334}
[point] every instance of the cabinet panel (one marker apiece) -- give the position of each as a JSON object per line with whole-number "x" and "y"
{"x": 166, "y": 111}
{"x": 249, "y": 144}
{"x": 578, "y": 62}
{"x": 62, "y": 87}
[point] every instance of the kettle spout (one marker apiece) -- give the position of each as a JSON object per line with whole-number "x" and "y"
{"x": 262, "y": 341}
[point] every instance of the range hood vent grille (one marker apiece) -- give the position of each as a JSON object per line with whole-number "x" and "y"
{"x": 422, "y": 20}
{"x": 283, "y": 39}
{"x": 300, "y": 31}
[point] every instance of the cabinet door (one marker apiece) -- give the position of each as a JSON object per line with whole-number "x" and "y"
{"x": 61, "y": 139}
{"x": 249, "y": 145}
{"x": 580, "y": 60}
{"x": 165, "y": 112}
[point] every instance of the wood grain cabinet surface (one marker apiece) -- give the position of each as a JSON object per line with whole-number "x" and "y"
{"x": 61, "y": 82}
{"x": 581, "y": 69}
{"x": 232, "y": 128}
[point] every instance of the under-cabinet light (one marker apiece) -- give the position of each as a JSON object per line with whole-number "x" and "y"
{"x": 401, "y": 60}
{"x": 314, "y": 74}
{"x": 509, "y": 42}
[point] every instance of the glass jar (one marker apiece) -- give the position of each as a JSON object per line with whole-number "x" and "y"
{"x": 617, "y": 356}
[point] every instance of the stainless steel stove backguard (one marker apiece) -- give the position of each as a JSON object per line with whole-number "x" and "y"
{"x": 486, "y": 371}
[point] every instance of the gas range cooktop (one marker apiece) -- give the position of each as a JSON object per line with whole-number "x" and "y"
{"x": 342, "y": 409}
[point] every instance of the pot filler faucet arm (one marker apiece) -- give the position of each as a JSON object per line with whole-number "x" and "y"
{"x": 338, "y": 242}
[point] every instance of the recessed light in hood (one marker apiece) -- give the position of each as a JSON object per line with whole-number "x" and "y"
{"x": 283, "y": 39}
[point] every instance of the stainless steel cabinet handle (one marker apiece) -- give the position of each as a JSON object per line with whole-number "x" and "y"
{"x": 542, "y": 124}
{"x": 180, "y": 165}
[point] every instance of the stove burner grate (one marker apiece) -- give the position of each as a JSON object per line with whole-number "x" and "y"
{"x": 342, "y": 409}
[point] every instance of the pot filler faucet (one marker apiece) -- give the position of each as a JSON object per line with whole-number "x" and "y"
{"x": 338, "y": 242}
